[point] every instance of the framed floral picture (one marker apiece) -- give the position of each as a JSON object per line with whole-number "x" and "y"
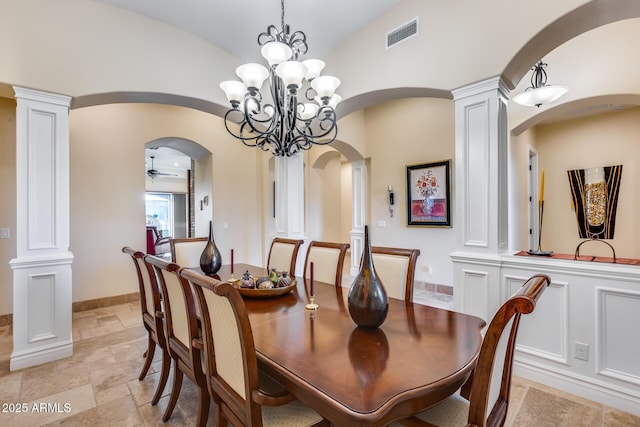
{"x": 429, "y": 194}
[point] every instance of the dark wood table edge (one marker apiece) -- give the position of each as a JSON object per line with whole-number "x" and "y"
{"x": 403, "y": 405}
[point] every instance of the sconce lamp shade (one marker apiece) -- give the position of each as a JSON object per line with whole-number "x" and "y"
{"x": 325, "y": 86}
{"x": 314, "y": 67}
{"x": 539, "y": 92}
{"x": 542, "y": 95}
{"x": 253, "y": 75}
{"x": 276, "y": 52}
{"x": 291, "y": 73}
{"x": 308, "y": 110}
{"x": 234, "y": 90}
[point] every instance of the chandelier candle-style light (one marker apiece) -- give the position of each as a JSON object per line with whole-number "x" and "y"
{"x": 539, "y": 92}
{"x": 274, "y": 120}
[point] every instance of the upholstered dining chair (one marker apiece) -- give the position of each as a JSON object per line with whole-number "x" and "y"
{"x": 152, "y": 319}
{"x": 328, "y": 261}
{"x": 396, "y": 269}
{"x": 186, "y": 251}
{"x": 484, "y": 399}
{"x": 232, "y": 365}
{"x": 283, "y": 254}
{"x": 184, "y": 343}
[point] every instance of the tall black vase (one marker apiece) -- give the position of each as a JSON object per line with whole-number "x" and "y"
{"x": 210, "y": 260}
{"x": 368, "y": 302}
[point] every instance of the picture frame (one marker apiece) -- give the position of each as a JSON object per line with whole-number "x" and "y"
{"x": 429, "y": 194}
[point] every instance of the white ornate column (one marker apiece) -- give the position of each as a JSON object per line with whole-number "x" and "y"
{"x": 359, "y": 212}
{"x": 480, "y": 194}
{"x": 42, "y": 268}
{"x": 289, "y": 175}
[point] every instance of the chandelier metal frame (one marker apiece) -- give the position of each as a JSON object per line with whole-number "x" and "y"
{"x": 283, "y": 125}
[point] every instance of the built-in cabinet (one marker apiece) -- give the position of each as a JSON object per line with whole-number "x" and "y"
{"x": 583, "y": 336}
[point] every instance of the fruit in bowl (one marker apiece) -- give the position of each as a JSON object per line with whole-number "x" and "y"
{"x": 284, "y": 280}
{"x": 247, "y": 281}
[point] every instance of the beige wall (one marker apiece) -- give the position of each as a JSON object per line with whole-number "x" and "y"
{"x": 107, "y": 189}
{"x": 602, "y": 140}
{"x": 400, "y": 133}
{"x": 519, "y": 189}
{"x": 8, "y": 197}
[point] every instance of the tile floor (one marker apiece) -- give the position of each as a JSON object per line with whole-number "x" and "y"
{"x": 98, "y": 385}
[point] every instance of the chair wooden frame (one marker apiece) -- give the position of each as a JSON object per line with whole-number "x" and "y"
{"x": 342, "y": 251}
{"x": 412, "y": 255}
{"x": 152, "y": 319}
{"x": 230, "y": 405}
{"x": 477, "y": 388}
{"x": 187, "y": 357}
{"x": 294, "y": 255}
{"x": 174, "y": 242}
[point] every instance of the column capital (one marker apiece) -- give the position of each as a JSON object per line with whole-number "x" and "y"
{"x": 37, "y": 95}
{"x": 483, "y": 86}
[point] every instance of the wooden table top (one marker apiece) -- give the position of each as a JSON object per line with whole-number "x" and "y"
{"x": 418, "y": 357}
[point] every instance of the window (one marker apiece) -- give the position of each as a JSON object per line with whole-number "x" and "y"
{"x": 159, "y": 208}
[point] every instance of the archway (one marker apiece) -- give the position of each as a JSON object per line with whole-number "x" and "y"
{"x": 187, "y": 194}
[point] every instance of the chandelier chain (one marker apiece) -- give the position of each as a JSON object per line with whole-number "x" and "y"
{"x": 282, "y": 13}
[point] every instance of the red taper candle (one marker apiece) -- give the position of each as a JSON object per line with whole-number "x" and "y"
{"x": 311, "y": 279}
{"x": 231, "y": 261}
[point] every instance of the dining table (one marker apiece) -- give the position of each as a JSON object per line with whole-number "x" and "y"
{"x": 354, "y": 376}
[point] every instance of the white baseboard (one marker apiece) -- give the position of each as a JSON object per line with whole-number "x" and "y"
{"x": 585, "y": 387}
{"x": 38, "y": 357}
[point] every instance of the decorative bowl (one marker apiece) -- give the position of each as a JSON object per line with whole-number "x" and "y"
{"x": 266, "y": 293}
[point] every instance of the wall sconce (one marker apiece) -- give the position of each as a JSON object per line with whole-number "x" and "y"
{"x": 391, "y": 200}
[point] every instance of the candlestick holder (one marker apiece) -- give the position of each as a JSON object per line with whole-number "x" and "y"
{"x": 312, "y": 304}
{"x": 232, "y": 278}
{"x": 539, "y": 251}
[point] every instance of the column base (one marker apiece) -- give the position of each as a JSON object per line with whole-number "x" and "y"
{"x": 34, "y": 357}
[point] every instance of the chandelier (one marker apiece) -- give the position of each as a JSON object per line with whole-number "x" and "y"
{"x": 275, "y": 119}
{"x": 539, "y": 92}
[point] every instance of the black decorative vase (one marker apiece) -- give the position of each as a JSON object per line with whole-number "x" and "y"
{"x": 368, "y": 302}
{"x": 210, "y": 260}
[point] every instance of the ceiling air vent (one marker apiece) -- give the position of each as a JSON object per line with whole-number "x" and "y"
{"x": 402, "y": 33}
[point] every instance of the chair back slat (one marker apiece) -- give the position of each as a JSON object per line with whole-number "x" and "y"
{"x": 328, "y": 261}
{"x": 231, "y": 361}
{"x": 176, "y": 306}
{"x": 396, "y": 269}
{"x": 489, "y": 397}
{"x": 147, "y": 292}
{"x": 186, "y": 252}
{"x": 226, "y": 342}
{"x": 283, "y": 255}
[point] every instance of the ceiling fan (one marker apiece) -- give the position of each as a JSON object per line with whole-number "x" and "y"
{"x": 153, "y": 173}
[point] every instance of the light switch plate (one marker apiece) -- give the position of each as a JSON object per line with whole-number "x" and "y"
{"x": 5, "y": 233}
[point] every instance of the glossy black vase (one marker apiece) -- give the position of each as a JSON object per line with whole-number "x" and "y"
{"x": 368, "y": 302}
{"x": 210, "y": 260}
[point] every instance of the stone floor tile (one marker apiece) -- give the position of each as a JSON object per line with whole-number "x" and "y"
{"x": 38, "y": 383}
{"x": 542, "y": 409}
{"x": 614, "y": 418}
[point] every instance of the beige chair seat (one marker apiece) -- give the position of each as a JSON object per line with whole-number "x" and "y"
{"x": 292, "y": 414}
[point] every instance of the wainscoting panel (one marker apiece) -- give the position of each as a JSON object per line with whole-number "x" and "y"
{"x": 475, "y": 285}
{"x": 618, "y": 339}
{"x": 544, "y": 333}
{"x": 41, "y": 295}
